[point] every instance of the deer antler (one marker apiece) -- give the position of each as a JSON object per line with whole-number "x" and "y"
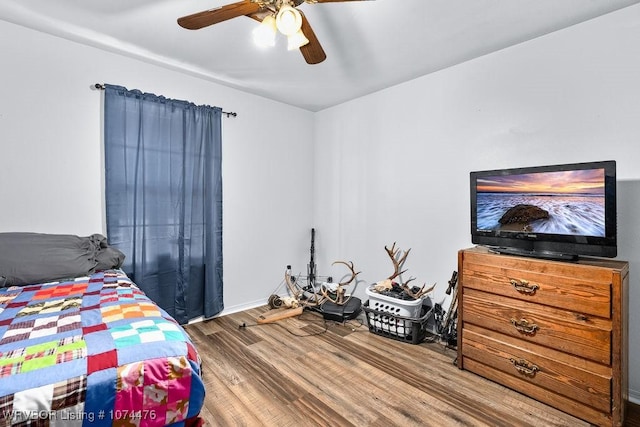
{"x": 397, "y": 262}
{"x": 290, "y": 285}
{"x": 420, "y": 293}
{"x": 340, "y": 291}
{"x": 406, "y": 284}
{"x": 298, "y": 294}
{"x": 353, "y": 272}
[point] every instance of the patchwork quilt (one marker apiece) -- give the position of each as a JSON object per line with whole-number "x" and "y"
{"x": 94, "y": 351}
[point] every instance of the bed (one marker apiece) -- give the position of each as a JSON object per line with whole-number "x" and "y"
{"x": 93, "y": 350}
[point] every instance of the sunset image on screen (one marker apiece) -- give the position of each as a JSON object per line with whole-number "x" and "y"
{"x": 567, "y": 182}
{"x": 567, "y": 202}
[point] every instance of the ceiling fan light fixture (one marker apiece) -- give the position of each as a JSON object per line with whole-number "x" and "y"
{"x": 265, "y": 34}
{"x": 296, "y": 40}
{"x": 288, "y": 20}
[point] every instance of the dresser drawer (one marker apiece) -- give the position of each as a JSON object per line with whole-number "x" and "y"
{"x": 583, "y": 289}
{"x": 589, "y": 338}
{"x": 540, "y": 368}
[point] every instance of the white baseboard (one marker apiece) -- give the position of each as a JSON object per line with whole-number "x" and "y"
{"x": 233, "y": 309}
{"x": 634, "y": 396}
{"x": 243, "y": 307}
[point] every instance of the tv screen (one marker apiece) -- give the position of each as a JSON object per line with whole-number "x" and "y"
{"x": 559, "y": 211}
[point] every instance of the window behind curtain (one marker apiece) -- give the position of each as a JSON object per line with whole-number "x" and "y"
{"x": 164, "y": 198}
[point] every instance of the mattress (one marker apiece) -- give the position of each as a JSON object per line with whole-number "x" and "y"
{"x": 94, "y": 350}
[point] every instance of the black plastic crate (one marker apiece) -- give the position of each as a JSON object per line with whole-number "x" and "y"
{"x": 406, "y": 329}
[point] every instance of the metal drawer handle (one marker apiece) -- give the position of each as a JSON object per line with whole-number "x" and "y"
{"x": 524, "y": 367}
{"x": 523, "y": 286}
{"x": 524, "y": 326}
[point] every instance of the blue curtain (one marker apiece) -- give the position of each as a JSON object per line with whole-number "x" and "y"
{"x": 164, "y": 198}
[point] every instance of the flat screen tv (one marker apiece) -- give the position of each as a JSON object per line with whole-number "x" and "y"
{"x": 556, "y": 212}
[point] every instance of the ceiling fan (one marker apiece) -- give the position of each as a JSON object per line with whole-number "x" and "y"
{"x": 282, "y": 15}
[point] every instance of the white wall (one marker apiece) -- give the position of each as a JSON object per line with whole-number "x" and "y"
{"x": 394, "y": 166}
{"x": 51, "y": 162}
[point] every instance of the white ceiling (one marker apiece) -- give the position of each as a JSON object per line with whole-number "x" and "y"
{"x": 370, "y": 45}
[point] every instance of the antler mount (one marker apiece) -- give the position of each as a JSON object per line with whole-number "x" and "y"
{"x": 341, "y": 287}
{"x": 398, "y": 259}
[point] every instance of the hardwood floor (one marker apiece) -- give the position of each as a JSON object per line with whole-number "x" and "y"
{"x": 305, "y": 372}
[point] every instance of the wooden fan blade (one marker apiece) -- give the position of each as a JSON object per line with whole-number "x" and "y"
{"x": 312, "y": 52}
{"x": 214, "y": 16}
{"x": 260, "y": 15}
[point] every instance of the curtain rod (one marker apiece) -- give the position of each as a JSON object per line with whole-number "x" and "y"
{"x": 100, "y": 86}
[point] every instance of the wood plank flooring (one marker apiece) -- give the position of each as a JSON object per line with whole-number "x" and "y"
{"x": 307, "y": 372}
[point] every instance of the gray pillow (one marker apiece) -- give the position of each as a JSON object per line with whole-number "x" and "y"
{"x": 27, "y": 258}
{"x": 108, "y": 257}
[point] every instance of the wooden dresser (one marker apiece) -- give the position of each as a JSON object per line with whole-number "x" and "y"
{"x": 555, "y": 331}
